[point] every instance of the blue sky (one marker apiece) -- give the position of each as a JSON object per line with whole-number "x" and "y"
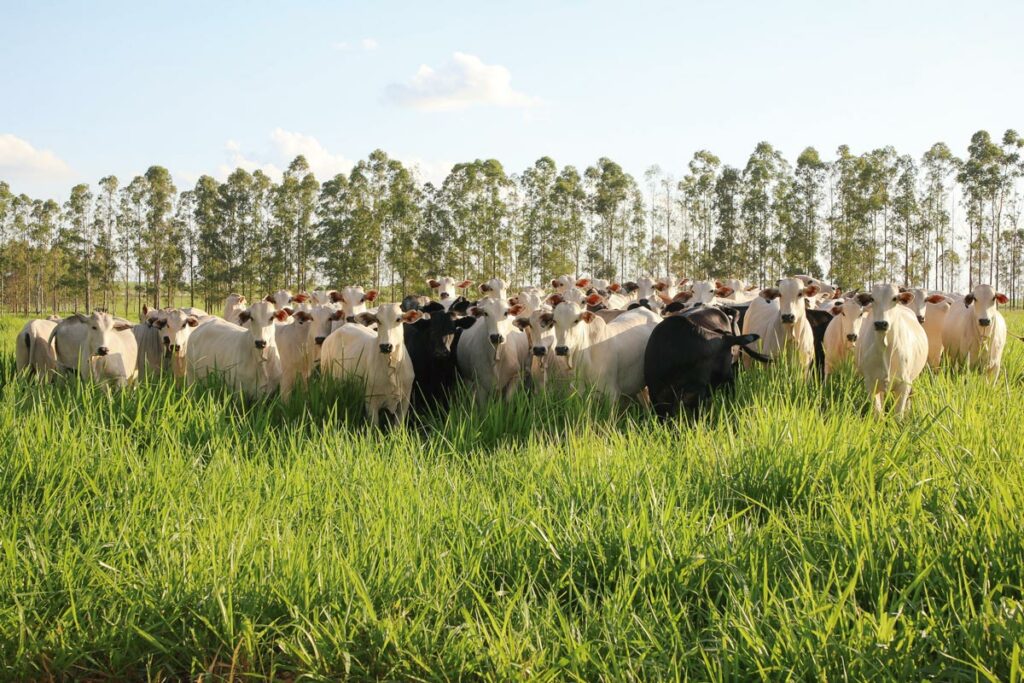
{"x": 90, "y": 88}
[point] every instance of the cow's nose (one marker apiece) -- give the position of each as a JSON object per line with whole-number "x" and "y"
{"x": 319, "y": 340}
{"x": 261, "y": 344}
{"x": 102, "y": 351}
{"x": 881, "y": 325}
{"x": 920, "y": 319}
{"x": 540, "y": 350}
{"x": 562, "y": 350}
{"x": 445, "y": 295}
{"x": 386, "y": 348}
{"x": 497, "y": 339}
{"x": 851, "y": 337}
{"x": 984, "y": 322}
{"x": 788, "y": 318}
{"x": 167, "y": 340}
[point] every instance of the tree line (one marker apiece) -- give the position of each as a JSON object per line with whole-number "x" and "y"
{"x": 939, "y": 221}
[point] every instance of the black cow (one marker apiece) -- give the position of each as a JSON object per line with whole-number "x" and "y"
{"x": 819, "y": 321}
{"x": 429, "y": 342}
{"x": 690, "y": 355}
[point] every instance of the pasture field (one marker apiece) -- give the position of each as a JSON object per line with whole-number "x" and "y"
{"x": 169, "y": 533}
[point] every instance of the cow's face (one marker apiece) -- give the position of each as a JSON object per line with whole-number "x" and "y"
{"x": 495, "y": 316}
{"x": 571, "y": 324}
{"x": 176, "y": 332}
{"x": 281, "y": 298}
{"x": 883, "y": 300}
{"x": 493, "y": 288}
{"x": 389, "y": 319}
{"x": 440, "y": 329}
{"x": 919, "y": 304}
{"x": 322, "y": 318}
{"x": 444, "y": 287}
{"x": 851, "y": 315}
{"x": 562, "y": 283}
{"x": 982, "y": 304}
{"x": 937, "y": 306}
{"x": 793, "y": 294}
{"x": 99, "y": 338}
{"x": 259, "y": 319}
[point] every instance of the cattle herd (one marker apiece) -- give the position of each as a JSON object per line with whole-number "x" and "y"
{"x": 669, "y": 342}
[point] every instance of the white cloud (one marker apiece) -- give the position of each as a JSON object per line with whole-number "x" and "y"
{"x": 285, "y": 145}
{"x": 19, "y": 160}
{"x": 464, "y": 81}
{"x": 365, "y": 45}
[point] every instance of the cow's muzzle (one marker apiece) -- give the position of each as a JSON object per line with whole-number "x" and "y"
{"x": 102, "y": 351}
{"x": 445, "y": 295}
{"x": 562, "y": 350}
{"x": 851, "y": 337}
{"x": 540, "y": 351}
{"x": 387, "y": 348}
{"x": 920, "y": 319}
{"x": 882, "y": 325}
{"x": 320, "y": 341}
{"x": 261, "y": 344}
{"x": 497, "y": 339}
{"x": 984, "y": 322}
{"x": 788, "y": 318}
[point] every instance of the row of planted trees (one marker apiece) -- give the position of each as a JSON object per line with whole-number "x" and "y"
{"x": 938, "y": 221}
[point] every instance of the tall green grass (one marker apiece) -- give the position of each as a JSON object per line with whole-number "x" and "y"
{"x": 171, "y": 532}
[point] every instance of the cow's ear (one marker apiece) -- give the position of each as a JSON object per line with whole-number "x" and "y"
{"x": 865, "y": 299}
{"x": 244, "y": 317}
{"x": 682, "y": 283}
{"x": 433, "y": 284}
{"x": 751, "y": 288}
{"x": 121, "y": 327}
{"x": 614, "y": 287}
{"x": 771, "y": 293}
{"x": 724, "y": 291}
{"x": 554, "y": 300}
{"x": 300, "y": 298}
{"x": 554, "y": 283}
{"x": 517, "y": 309}
{"x": 366, "y": 319}
{"x": 335, "y": 296}
{"x": 513, "y": 300}
{"x": 289, "y": 310}
{"x": 411, "y": 316}
{"x": 191, "y": 321}
{"x": 521, "y": 323}
{"x": 630, "y": 287}
{"x": 743, "y": 339}
{"x": 302, "y": 317}
{"x": 968, "y": 300}
{"x": 477, "y": 312}
{"x": 546, "y": 320}
{"x": 595, "y": 299}
{"x": 583, "y": 282}
{"x": 683, "y": 296}
{"x": 371, "y": 295}
{"x": 811, "y": 290}
{"x": 587, "y": 317}
{"x": 905, "y": 297}
{"x": 269, "y": 298}
{"x": 836, "y": 310}
{"x": 484, "y": 287}
{"x": 433, "y": 307}
{"x": 935, "y": 298}
{"x": 338, "y": 315}
{"x": 281, "y": 315}
{"x": 1002, "y": 298}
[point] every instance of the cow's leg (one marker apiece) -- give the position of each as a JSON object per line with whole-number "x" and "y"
{"x": 902, "y": 391}
{"x": 373, "y": 406}
{"x": 511, "y": 387}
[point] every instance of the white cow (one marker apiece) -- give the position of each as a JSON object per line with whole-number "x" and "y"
{"x": 446, "y": 289}
{"x": 892, "y": 349}
{"x": 234, "y": 304}
{"x": 608, "y": 357}
{"x": 149, "y": 341}
{"x": 492, "y": 353}
{"x": 495, "y": 288}
{"x": 246, "y": 355}
{"x": 281, "y": 298}
{"x": 175, "y": 329}
{"x": 378, "y": 359}
{"x": 566, "y": 288}
{"x": 99, "y": 346}
{"x": 842, "y": 333}
{"x": 353, "y": 301}
{"x": 300, "y": 343}
{"x": 703, "y": 292}
{"x": 936, "y": 309}
{"x": 779, "y": 317}
{"x": 975, "y": 333}
{"x": 32, "y": 350}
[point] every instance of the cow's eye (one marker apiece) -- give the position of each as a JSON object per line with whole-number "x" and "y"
{"x": 895, "y": 299}
{"x": 574, "y": 322}
{"x": 398, "y": 320}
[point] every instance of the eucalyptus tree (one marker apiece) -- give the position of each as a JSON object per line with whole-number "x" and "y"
{"x": 729, "y": 252}
{"x": 938, "y": 164}
{"x": 106, "y": 226}
{"x": 569, "y": 201}
{"x": 697, "y": 189}
{"x": 76, "y": 241}
{"x": 804, "y": 198}
{"x": 764, "y": 171}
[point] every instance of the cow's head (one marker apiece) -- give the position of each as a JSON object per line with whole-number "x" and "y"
{"x": 496, "y": 315}
{"x": 447, "y": 287}
{"x": 259, "y": 319}
{"x": 354, "y": 299}
{"x": 493, "y": 288}
{"x": 883, "y": 299}
{"x": 792, "y": 295}
{"x": 176, "y": 331}
{"x": 850, "y": 314}
{"x": 102, "y": 327}
{"x": 981, "y": 302}
{"x": 919, "y": 304}
{"x": 389, "y": 319}
{"x": 572, "y": 330}
{"x": 322, "y": 319}
{"x": 440, "y": 327}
